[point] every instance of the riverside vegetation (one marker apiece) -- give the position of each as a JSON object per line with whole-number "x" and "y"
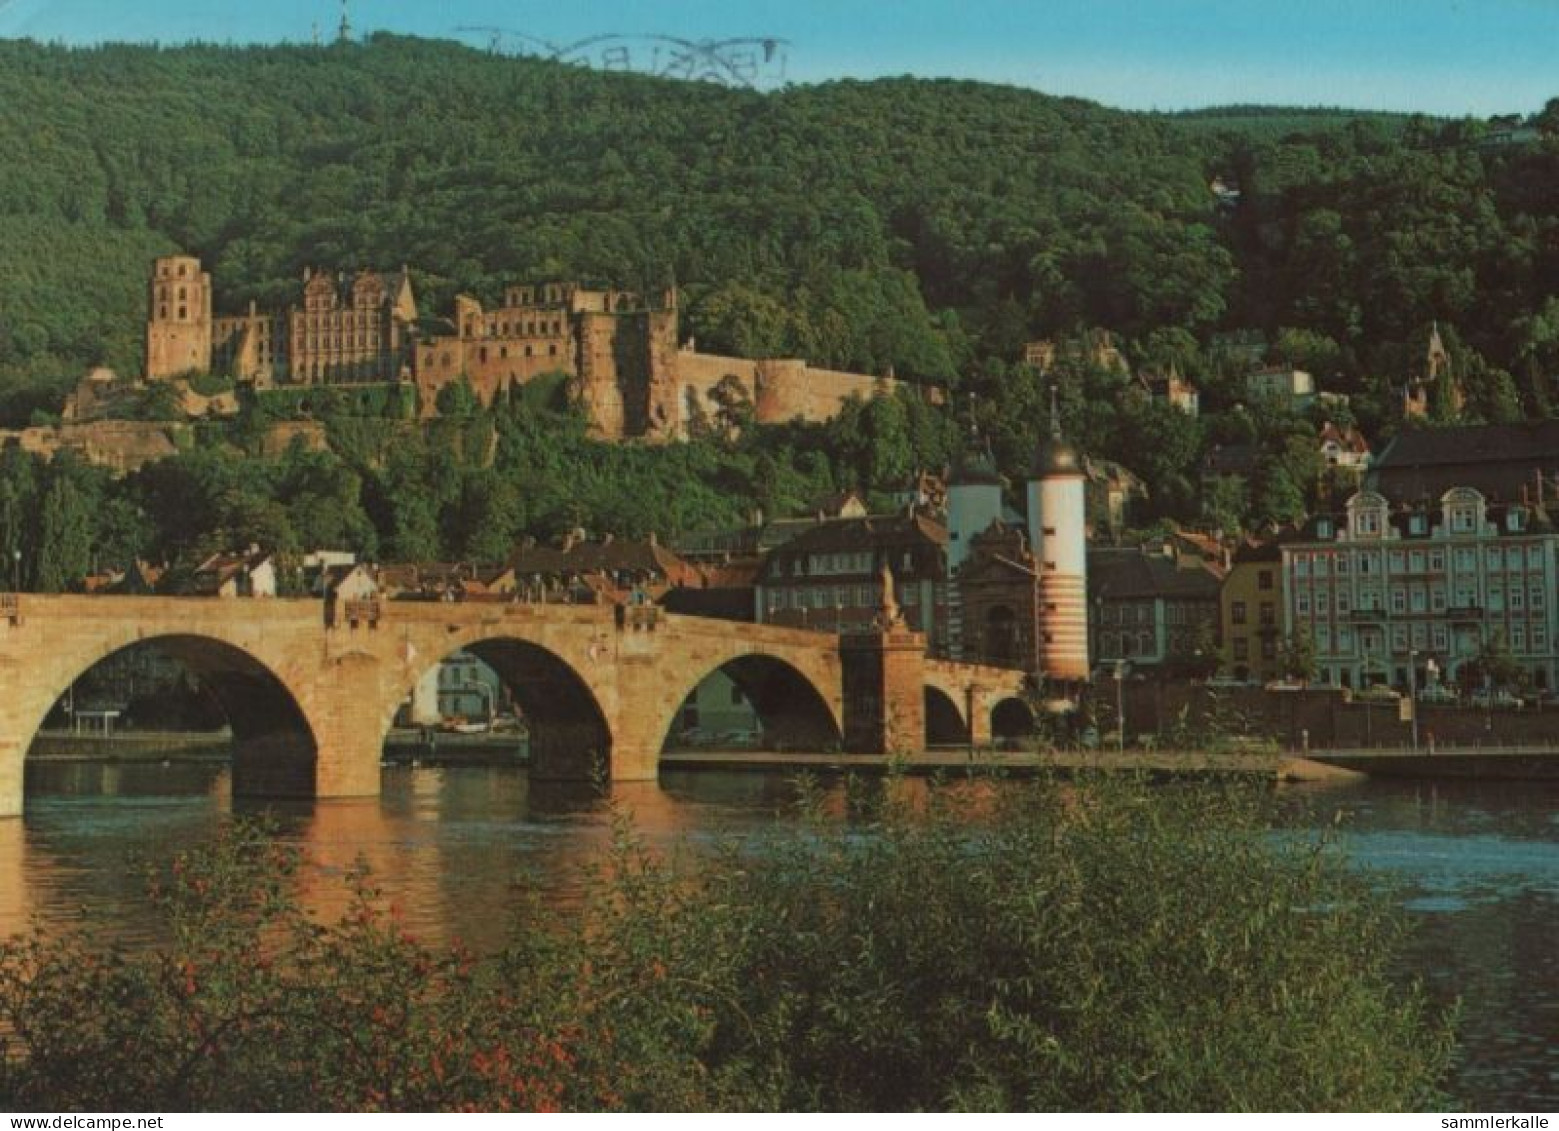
{"x": 1100, "y": 944}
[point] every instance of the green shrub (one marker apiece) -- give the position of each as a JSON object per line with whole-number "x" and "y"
{"x": 1101, "y": 945}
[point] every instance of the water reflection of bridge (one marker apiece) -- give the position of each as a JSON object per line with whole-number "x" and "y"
{"x": 310, "y": 698}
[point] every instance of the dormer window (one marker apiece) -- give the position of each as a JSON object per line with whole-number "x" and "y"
{"x": 1418, "y": 524}
{"x": 1463, "y": 511}
{"x": 1367, "y": 515}
{"x": 1323, "y": 528}
{"x": 1516, "y": 519}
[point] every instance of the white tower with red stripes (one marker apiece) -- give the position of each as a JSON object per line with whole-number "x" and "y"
{"x": 1058, "y": 536}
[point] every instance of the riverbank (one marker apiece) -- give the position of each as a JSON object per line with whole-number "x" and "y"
{"x": 1270, "y": 765}
{"x": 133, "y": 746}
{"x": 418, "y": 746}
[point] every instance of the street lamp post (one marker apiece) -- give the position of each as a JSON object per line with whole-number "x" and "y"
{"x": 1120, "y": 705}
{"x": 1412, "y": 693}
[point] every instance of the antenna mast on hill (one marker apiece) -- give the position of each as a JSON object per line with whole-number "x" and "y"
{"x": 345, "y": 33}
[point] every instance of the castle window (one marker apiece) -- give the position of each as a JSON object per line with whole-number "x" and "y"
{"x": 183, "y": 312}
{"x": 181, "y": 294}
{"x": 552, "y": 351}
{"x": 527, "y": 351}
{"x": 181, "y": 270}
{"x": 162, "y": 312}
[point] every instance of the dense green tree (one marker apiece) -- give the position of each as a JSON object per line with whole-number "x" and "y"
{"x": 65, "y": 538}
{"x": 1298, "y": 656}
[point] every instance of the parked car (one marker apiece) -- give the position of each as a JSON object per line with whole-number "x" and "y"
{"x": 1378, "y": 693}
{"x": 745, "y": 739}
{"x": 1437, "y": 694}
{"x": 1501, "y": 698}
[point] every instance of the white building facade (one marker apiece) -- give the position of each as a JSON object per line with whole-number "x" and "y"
{"x": 1403, "y": 596}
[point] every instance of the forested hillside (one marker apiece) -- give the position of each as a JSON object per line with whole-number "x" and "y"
{"x": 931, "y": 226}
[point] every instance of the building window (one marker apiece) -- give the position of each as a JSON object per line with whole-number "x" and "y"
{"x": 1398, "y": 599}
{"x": 1237, "y": 613}
{"x": 1241, "y": 648}
{"x": 1302, "y": 603}
{"x": 1269, "y": 649}
{"x": 1264, "y": 579}
{"x": 1268, "y": 614}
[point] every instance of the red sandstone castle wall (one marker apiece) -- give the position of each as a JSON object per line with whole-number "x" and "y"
{"x": 781, "y": 389}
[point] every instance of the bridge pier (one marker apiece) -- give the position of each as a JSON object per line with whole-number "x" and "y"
{"x": 978, "y": 702}
{"x": 884, "y": 691}
{"x": 13, "y": 755}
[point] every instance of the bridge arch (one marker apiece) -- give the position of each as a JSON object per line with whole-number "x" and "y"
{"x": 275, "y": 739}
{"x": 1011, "y": 718}
{"x": 945, "y": 721}
{"x": 569, "y": 737}
{"x": 793, "y": 711}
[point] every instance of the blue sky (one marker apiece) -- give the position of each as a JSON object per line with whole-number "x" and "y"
{"x": 1439, "y": 56}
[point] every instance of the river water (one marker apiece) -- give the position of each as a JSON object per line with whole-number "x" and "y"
{"x": 1477, "y": 865}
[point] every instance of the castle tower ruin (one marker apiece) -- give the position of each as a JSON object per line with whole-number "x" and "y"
{"x": 178, "y": 324}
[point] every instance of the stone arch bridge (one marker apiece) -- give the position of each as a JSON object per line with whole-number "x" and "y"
{"x": 311, "y": 695}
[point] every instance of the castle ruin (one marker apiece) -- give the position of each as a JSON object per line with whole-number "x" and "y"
{"x": 619, "y": 350}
